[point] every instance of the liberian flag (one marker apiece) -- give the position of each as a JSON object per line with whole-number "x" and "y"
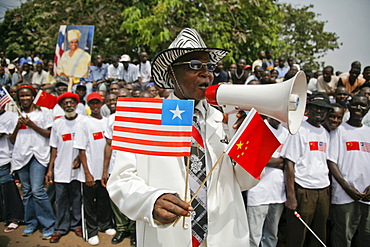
{"x": 318, "y": 146}
{"x": 4, "y": 97}
{"x": 59, "y": 50}
{"x": 161, "y": 127}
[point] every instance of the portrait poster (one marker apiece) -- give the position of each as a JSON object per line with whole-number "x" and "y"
{"x": 73, "y": 51}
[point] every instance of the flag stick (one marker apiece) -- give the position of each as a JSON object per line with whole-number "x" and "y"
{"x": 186, "y": 191}
{"x": 208, "y": 175}
{"x": 70, "y": 84}
{"x": 186, "y": 186}
{"x": 201, "y": 185}
{"x": 304, "y": 223}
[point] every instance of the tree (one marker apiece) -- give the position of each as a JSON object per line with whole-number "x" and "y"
{"x": 242, "y": 26}
{"x": 304, "y": 36}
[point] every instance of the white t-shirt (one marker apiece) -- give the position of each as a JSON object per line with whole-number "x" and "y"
{"x": 62, "y": 136}
{"x": 109, "y": 135}
{"x": 29, "y": 143}
{"x": 307, "y": 149}
{"x": 90, "y": 137}
{"x": 8, "y": 121}
{"x": 350, "y": 149}
{"x": 271, "y": 188}
{"x": 59, "y": 112}
{"x": 115, "y": 73}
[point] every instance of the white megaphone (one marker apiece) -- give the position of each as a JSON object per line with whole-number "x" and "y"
{"x": 284, "y": 101}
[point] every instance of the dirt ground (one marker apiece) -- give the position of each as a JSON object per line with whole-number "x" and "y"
{"x": 15, "y": 238}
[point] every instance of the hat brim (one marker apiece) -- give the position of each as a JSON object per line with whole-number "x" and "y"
{"x": 320, "y": 103}
{"x": 166, "y": 57}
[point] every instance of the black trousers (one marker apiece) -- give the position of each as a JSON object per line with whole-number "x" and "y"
{"x": 97, "y": 210}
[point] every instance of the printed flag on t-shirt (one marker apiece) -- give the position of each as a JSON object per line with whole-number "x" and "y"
{"x": 67, "y": 137}
{"x": 253, "y": 144}
{"x": 358, "y": 146}
{"x": 45, "y": 99}
{"x": 98, "y": 135}
{"x": 318, "y": 146}
{"x": 4, "y": 97}
{"x": 149, "y": 126}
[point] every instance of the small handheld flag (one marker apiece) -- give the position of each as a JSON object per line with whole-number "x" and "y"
{"x": 253, "y": 144}
{"x": 149, "y": 126}
{"x": 4, "y": 97}
{"x": 45, "y": 99}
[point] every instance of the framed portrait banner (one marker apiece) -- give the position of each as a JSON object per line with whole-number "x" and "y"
{"x": 73, "y": 51}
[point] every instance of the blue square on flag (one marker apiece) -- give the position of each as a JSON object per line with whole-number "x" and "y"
{"x": 177, "y": 112}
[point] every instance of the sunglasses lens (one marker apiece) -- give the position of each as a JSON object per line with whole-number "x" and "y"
{"x": 211, "y": 66}
{"x": 195, "y": 64}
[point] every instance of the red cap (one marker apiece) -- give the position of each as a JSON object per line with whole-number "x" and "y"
{"x": 247, "y": 66}
{"x": 211, "y": 93}
{"x": 94, "y": 95}
{"x": 68, "y": 95}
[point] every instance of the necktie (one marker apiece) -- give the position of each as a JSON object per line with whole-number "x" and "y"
{"x": 197, "y": 174}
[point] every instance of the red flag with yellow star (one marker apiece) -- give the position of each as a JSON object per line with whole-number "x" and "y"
{"x": 253, "y": 144}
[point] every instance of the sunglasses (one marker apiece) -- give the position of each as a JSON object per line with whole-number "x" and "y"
{"x": 197, "y": 65}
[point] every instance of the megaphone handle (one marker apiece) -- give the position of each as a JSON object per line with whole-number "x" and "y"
{"x": 231, "y": 111}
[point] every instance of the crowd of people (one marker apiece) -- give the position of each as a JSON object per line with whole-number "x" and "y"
{"x": 63, "y": 158}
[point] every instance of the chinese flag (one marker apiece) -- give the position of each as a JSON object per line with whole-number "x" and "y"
{"x": 98, "y": 135}
{"x": 314, "y": 146}
{"x": 45, "y": 99}
{"x": 253, "y": 144}
{"x": 351, "y": 146}
{"x": 67, "y": 137}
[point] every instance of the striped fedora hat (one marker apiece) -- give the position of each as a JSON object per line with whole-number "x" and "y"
{"x": 187, "y": 41}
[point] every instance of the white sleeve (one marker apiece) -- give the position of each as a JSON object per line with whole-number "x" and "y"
{"x": 333, "y": 148}
{"x": 53, "y": 142}
{"x": 292, "y": 148}
{"x": 81, "y": 136}
{"x": 129, "y": 192}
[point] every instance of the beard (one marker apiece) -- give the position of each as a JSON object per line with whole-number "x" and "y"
{"x": 71, "y": 114}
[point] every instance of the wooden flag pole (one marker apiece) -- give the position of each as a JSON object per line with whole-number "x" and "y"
{"x": 186, "y": 190}
{"x": 70, "y": 84}
{"x": 208, "y": 175}
{"x": 201, "y": 185}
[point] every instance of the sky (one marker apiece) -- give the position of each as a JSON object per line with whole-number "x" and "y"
{"x": 349, "y": 19}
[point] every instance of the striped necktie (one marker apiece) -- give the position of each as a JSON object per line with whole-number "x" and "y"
{"x": 197, "y": 173}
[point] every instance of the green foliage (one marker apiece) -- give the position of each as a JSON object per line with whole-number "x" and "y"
{"x": 242, "y": 26}
{"x": 304, "y": 36}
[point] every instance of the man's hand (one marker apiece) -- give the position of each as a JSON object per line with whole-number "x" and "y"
{"x": 353, "y": 193}
{"x": 49, "y": 178}
{"x": 366, "y": 194}
{"x": 168, "y": 207}
{"x": 89, "y": 179}
{"x": 291, "y": 203}
{"x": 76, "y": 163}
{"x": 241, "y": 115}
{"x": 104, "y": 179}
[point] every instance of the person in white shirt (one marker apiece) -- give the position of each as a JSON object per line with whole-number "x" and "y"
{"x": 124, "y": 226}
{"x": 63, "y": 169}
{"x": 307, "y": 175}
{"x": 114, "y": 70}
{"x": 265, "y": 201}
{"x": 30, "y": 158}
{"x": 12, "y": 211}
{"x": 348, "y": 161}
{"x": 144, "y": 70}
{"x": 90, "y": 142}
{"x": 40, "y": 77}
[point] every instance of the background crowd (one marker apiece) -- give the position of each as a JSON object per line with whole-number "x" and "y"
{"x": 54, "y": 162}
